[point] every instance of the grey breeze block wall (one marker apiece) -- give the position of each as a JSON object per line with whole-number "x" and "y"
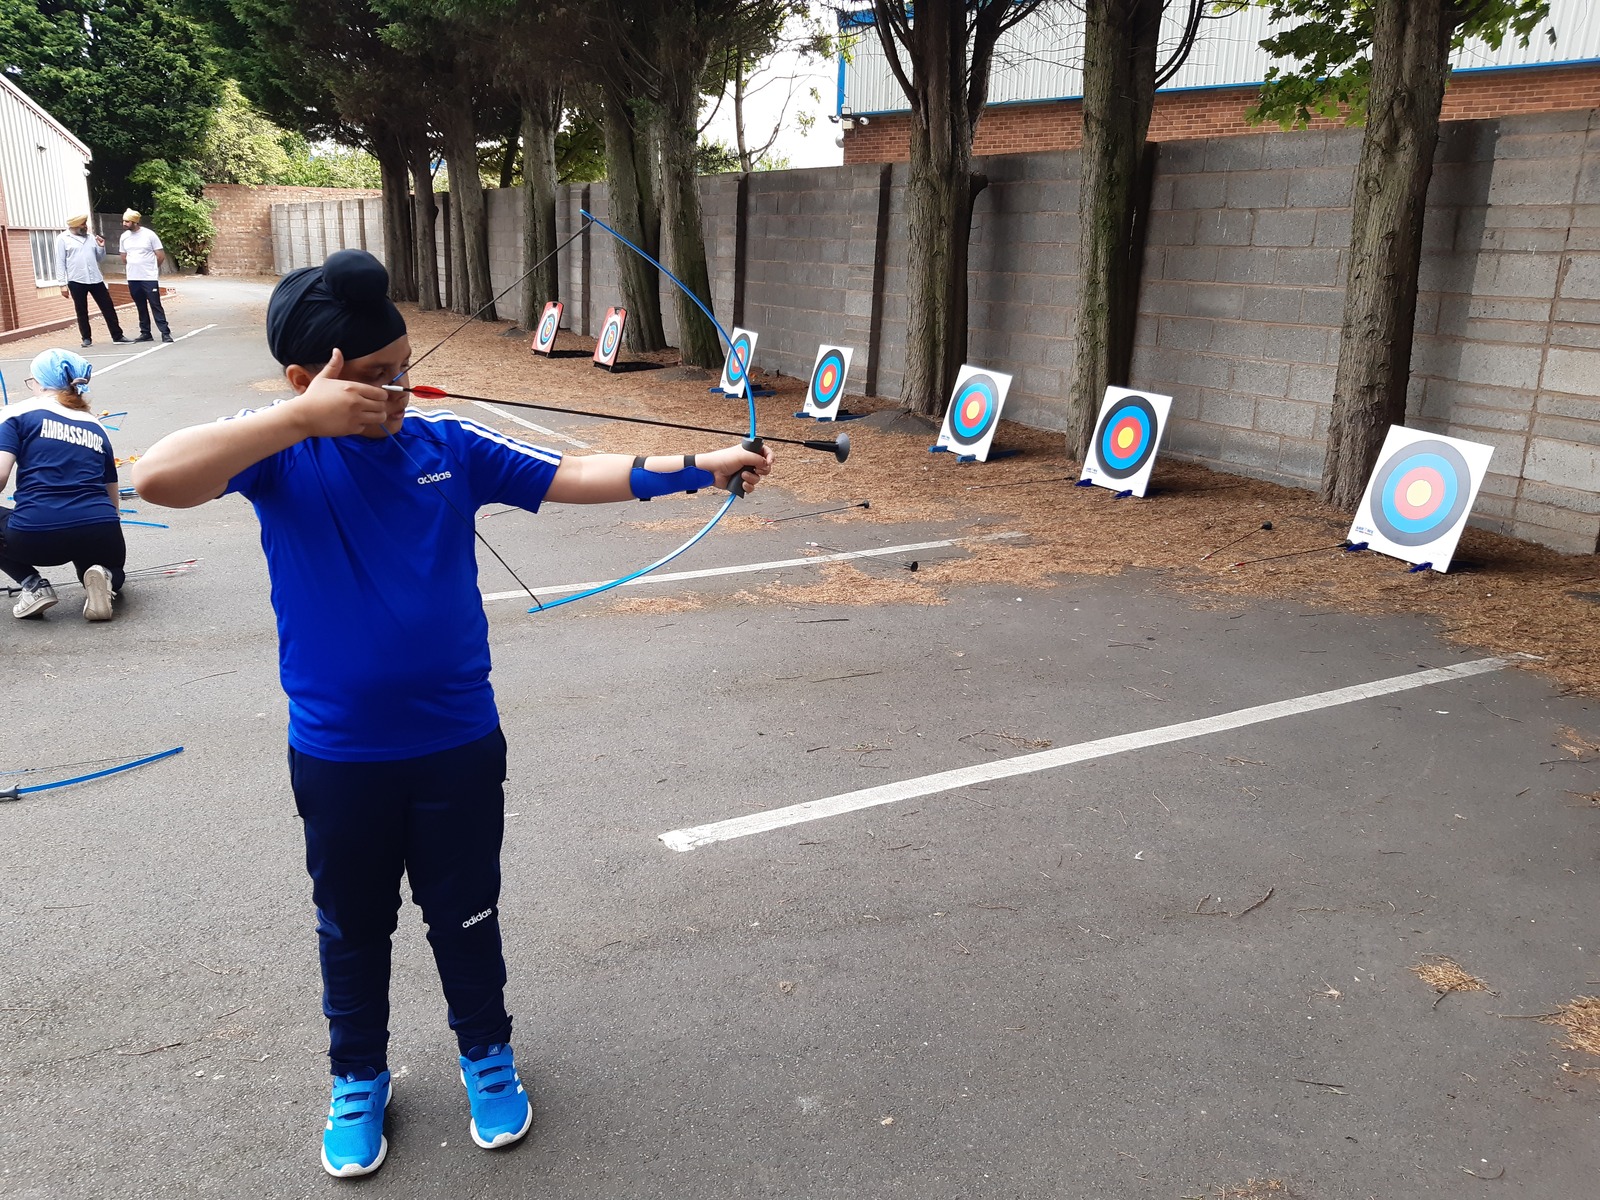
{"x": 1240, "y": 306}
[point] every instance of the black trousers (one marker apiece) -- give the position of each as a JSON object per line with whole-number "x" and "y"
{"x": 438, "y": 820}
{"x": 146, "y": 295}
{"x": 22, "y": 552}
{"x": 80, "y": 300}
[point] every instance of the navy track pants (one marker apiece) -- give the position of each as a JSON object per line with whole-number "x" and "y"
{"x": 439, "y": 820}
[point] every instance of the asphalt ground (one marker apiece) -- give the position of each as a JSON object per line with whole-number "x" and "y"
{"x": 1059, "y": 984}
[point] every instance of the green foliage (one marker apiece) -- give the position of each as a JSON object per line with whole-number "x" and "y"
{"x": 326, "y": 166}
{"x": 241, "y": 145}
{"x": 580, "y": 149}
{"x": 1331, "y": 48}
{"x": 179, "y": 216}
{"x": 132, "y": 78}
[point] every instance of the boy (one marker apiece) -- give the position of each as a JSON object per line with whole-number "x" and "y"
{"x": 395, "y": 752}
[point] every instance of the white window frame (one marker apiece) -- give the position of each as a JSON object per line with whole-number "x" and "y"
{"x": 43, "y": 244}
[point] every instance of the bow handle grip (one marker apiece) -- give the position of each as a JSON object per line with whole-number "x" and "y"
{"x": 736, "y": 484}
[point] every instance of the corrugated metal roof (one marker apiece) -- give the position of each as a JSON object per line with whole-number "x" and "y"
{"x": 42, "y": 165}
{"x": 1041, "y": 58}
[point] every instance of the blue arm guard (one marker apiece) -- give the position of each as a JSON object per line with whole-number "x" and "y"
{"x": 647, "y": 485}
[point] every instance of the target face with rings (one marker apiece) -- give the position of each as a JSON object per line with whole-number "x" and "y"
{"x": 1420, "y": 494}
{"x": 736, "y": 369}
{"x": 827, "y": 380}
{"x": 1420, "y": 491}
{"x": 1126, "y": 437}
{"x": 973, "y": 414}
{"x": 974, "y": 409}
{"x": 610, "y": 339}
{"x": 549, "y": 324}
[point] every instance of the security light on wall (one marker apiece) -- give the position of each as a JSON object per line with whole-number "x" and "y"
{"x": 845, "y": 119}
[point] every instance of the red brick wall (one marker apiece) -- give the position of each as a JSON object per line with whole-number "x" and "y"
{"x": 243, "y": 218}
{"x": 1219, "y": 112}
{"x": 30, "y": 304}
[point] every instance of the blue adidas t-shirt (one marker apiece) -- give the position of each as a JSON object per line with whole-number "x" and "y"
{"x": 64, "y": 461}
{"x": 383, "y": 640}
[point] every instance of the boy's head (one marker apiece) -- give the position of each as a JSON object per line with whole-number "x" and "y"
{"x": 342, "y": 305}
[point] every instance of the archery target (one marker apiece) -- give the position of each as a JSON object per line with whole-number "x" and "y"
{"x": 1420, "y": 495}
{"x": 827, "y": 381}
{"x": 610, "y": 339}
{"x": 544, "y": 339}
{"x": 736, "y": 368}
{"x": 1126, "y": 436}
{"x": 973, "y": 413}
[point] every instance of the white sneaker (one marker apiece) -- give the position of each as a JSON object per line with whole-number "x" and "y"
{"x": 98, "y": 593}
{"x": 34, "y": 600}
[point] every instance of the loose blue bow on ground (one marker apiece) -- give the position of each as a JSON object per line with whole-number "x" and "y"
{"x": 16, "y": 792}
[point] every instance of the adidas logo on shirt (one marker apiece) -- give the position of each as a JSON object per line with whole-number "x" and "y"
{"x": 439, "y": 478}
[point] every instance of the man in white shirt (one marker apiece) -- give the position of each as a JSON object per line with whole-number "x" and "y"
{"x": 142, "y": 251}
{"x": 78, "y": 266}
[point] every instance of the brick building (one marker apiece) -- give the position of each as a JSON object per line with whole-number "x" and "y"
{"x": 1036, "y": 92}
{"x": 243, "y": 217}
{"x": 43, "y": 180}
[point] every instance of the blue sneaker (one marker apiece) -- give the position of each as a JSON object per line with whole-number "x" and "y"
{"x": 501, "y": 1111}
{"x": 353, "y": 1141}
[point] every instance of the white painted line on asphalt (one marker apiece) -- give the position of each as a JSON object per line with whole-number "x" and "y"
{"x": 122, "y": 362}
{"x": 944, "y": 781}
{"x": 749, "y": 568}
{"x": 536, "y": 428}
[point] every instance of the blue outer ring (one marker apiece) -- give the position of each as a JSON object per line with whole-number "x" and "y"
{"x": 1123, "y": 466}
{"x": 1442, "y": 457}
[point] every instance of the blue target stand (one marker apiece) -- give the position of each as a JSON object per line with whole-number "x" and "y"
{"x": 973, "y": 415}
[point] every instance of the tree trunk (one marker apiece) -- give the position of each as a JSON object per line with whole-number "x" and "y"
{"x": 940, "y": 190}
{"x": 738, "y": 110}
{"x": 1410, "y": 64}
{"x": 456, "y": 261}
{"x": 397, "y": 239}
{"x": 697, "y": 337}
{"x": 461, "y": 152}
{"x": 541, "y": 115}
{"x": 1119, "y": 86}
{"x": 631, "y": 193}
{"x": 424, "y": 215}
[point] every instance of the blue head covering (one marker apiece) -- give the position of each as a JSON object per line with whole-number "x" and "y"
{"x": 62, "y": 371}
{"x": 343, "y": 304}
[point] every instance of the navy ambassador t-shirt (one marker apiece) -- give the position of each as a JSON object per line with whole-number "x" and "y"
{"x": 64, "y": 461}
{"x": 383, "y": 643}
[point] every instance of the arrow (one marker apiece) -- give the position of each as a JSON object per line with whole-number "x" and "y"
{"x": 839, "y": 447}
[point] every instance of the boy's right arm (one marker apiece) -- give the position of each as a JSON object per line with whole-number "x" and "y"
{"x": 194, "y": 465}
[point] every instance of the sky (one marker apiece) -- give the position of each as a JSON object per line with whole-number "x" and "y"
{"x": 781, "y": 89}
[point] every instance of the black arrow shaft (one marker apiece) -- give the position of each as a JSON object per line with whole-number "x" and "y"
{"x": 584, "y": 412}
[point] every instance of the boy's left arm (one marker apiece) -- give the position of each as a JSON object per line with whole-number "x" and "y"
{"x": 608, "y": 478}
